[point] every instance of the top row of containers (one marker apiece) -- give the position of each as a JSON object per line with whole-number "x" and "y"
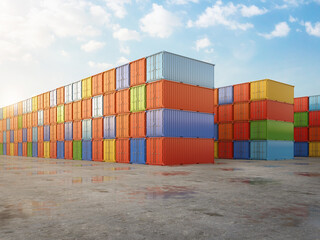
{"x": 305, "y": 104}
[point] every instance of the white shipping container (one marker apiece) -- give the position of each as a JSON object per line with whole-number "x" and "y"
{"x": 68, "y": 93}
{"x": 97, "y": 106}
{"x": 53, "y": 98}
{"x": 40, "y": 117}
{"x": 24, "y": 107}
{"x": 87, "y": 129}
{"x": 77, "y": 91}
{"x": 1, "y": 113}
{"x": 15, "y": 109}
{"x": 29, "y": 105}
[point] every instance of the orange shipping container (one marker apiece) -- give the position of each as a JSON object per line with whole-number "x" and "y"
{"x": 241, "y": 92}
{"x": 8, "y": 138}
{"x": 53, "y": 149}
{"x": 40, "y": 134}
{"x": 8, "y": 148}
{"x": 1, "y": 126}
{"x": 68, "y": 113}
{"x": 97, "y": 84}
{"x": 1, "y": 136}
{"x": 123, "y": 125}
{"x": 241, "y": 111}
{"x": 60, "y": 95}
{"x": 29, "y": 134}
{"x": 225, "y": 113}
{"x": 109, "y": 104}
{"x": 86, "y": 108}
{"x": 225, "y": 131}
{"x": 53, "y": 115}
{"x": 15, "y": 136}
{"x": 176, "y": 151}
{"x": 24, "y": 149}
{"x": 46, "y": 116}
{"x": 34, "y": 119}
{"x": 168, "y": 94}
{"x": 60, "y": 132}
{"x": 40, "y": 149}
{"x": 138, "y": 72}
{"x": 20, "y": 135}
{"x": 97, "y": 150}
{"x": 68, "y": 150}
{"x": 123, "y": 150}
{"x": 53, "y": 132}
{"x": 15, "y": 123}
{"x": 29, "y": 119}
{"x": 46, "y": 100}
{"x": 314, "y": 134}
{"x": 15, "y": 149}
{"x": 76, "y": 110}
{"x": 24, "y": 121}
{"x": 97, "y": 128}
{"x": 40, "y": 101}
{"x": 77, "y": 130}
{"x": 11, "y": 111}
{"x": 138, "y": 125}
{"x": 215, "y": 96}
{"x": 109, "y": 81}
{"x": 123, "y": 101}
{"x": 20, "y": 108}
{"x": 11, "y": 123}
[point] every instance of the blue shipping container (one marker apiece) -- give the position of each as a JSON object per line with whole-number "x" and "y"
{"x": 46, "y": 133}
{"x": 34, "y": 134}
{"x": 123, "y": 76}
{"x": 8, "y": 124}
{"x": 87, "y": 150}
{"x": 34, "y": 149}
{"x": 226, "y": 95}
{"x": 109, "y": 127}
{"x": 68, "y": 131}
{"x": 178, "y": 123}
{"x": 4, "y": 149}
{"x": 4, "y": 136}
{"x": 241, "y": 149}
{"x": 138, "y": 150}
{"x": 301, "y": 149}
{"x": 20, "y": 149}
{"x": 87, "y": 129}
{"x": 24, "y": 135}
{"x": 216, "y": 131}
{"x": 11, "y": 136}
{"x": 169, "y": 66}
{"x": 271, "y": 150}
{"x": 60, "y": 149}
{"x": 314, "y": 103}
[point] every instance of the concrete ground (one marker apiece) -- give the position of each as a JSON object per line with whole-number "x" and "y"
{"x": 232, "y": 199}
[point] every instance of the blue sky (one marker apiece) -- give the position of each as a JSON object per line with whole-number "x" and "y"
{"x": 47, "y": 44}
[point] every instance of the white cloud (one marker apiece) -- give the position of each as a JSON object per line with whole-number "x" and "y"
{"x": 92, "y": 46}
{"x": 125, "y": 50}
{"x": 313, "y": 30}
{"x": 202, "y": 43}
{"x": 122, "y": 60}
{"x": 64, "y": 53}
{"x": 182, "y": 2}
{"x": 159, "y": 22}
{"x": 124, "y": 34}
{"x": 252, "y": 11}
{"x": 292, "y": 19}
{"x": 118, "y": 7}
{"x": 100, "y": 66}
{"x": 281, "y": 30}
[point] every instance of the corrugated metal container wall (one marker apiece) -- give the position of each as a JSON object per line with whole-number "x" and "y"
{"x": 241, "y": 149}
{"x": 176, "y": 151}
{"x": 34, "y": 149}
{"x": 20, "y": 122}
{"x": 271, "y": 130}
{"x": 86, "y": 88}
{"x": 123, "y": 150}
{"x": 19, "y": 133}
{"x": 241, "y": 131}
{"x": 97, "y": 84}
{"x": 15, "y": 138}
{"x": 60, "y": 95}
{"x": 34, "y": 104}
{"x": 138, "y": 72}
{"x": 68, "y": 131}
{"x": 109, "y": 104}
{"x": 226, "y": 149}
{"x": 60, "y": 114}
{"x": 97, "y": 150}
{"x": 301, "y": 149}
{"x": 166, "y": 94}
{"x": 40, "y": 117}
{"x": 29, "y": 151}
{"x": 314, "y": 119}
{"x": 216, "y": 131}
{"x": 216, "y": 150}
{"x": 68, "y": 113}
{"x": 53, "y": 115}
{"x": 177, "y": 123}
{"x": 34, "y": 134}
{"x": 46, "y": 133}
{"x": 24, "y": 149}
{"x": 177, "y": 68}
{"x": 77, "y": 110}
{"x": 15, "y": 123}
{"x": 53, "y": 132}
{"x": 19, "y": 108}
{"x": 11, "y": 112}
{"x": 40, "y": 134}
{"x": 4, "y": 149}
{"x": 77, "y": 150}
{"x": 123, "y": 126}
{"x": 77, "y": 91}
{"x": 11, "y": 136}
{"x": 314, "y": 103}
{"x": 15, "y": 109}
{"x": 226, "y": 95}
{"x": 225, "y": 131}
{"x": 301, "y": 104}
{"x": 301, "y": 134}
{"x": 29, "y": 105}
{"x": 109, "y": 81}
{"x": 138, "y": 98}
{"x": 87, "y": 150}
{"x": 34, "y": 119}
{"x": 53, "y": 98}
{"x": 86, "y": 108}
{"x": 20, "y": 151}
{"x": 46, "y": 116}
{"x": 87, "y": 129}
{"x": 68, "y": 151}
{"x": 109, "y": 150}
{"x": 53, "y": 149}
{"x": 24, "y": 135}
{"x": 109, "y": 127}
{"x": 123, "y": 101}
{"x": 9, "y": 123}
{"x": 138, "y": 125}
{"x": 1, "y": 149}
{"x": 46, "y": 100}
{"x": 314, "y": 134}
{"x": 46, "y": 149}
{"x": 225, "y": 113}
{"x": 241, "y": 92}
{"x": 97, "y": 129}
{"x": 77, "y": 130}
{"x": 123, "y": 77}
{"x": 68, "y": 93}
{"x": 215, "y": 96}
{"x": 138, "y": 150}
{"x": 60, "y": 149}
{"x": 301, "y": 119}
{"x": 60, "y": 132}
{"x": 4, "y": 112}
{"x": 40, "y": 149}
{"x": 271, "y": 150}
{"x": 314, "y": 149}
{"x": 97, "y": 106}
{"x": 241, "y": 111}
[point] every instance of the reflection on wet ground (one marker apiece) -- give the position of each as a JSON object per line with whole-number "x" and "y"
{"x": 272, "y": 166}
{"x": 89, "y": 180}
{"x": 231, "y": 169}
{"x": 118, "y": 169}
{"x": 253, "y": 180}
{"x": 181, "y": 173}
{"x": 300, "y": 163}
{"x": 307, "y": 174}
{"x": 47, "y": 172}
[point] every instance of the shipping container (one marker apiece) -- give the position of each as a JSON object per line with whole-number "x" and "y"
{"x": 11, "y": 111}
{"x": 225, "y": 149}
{"x": 314, "y": 119}
{"x": 225, "y": 113}
{"x": 53, "y": 132}
{"x": 87, "y": 129}
{"x": 46, "y": 149}
{"x": 40, "y": 134}
{"x": 60, "y": 114}
{"x": 40, "y": 118}
{"x": 272, "y": 90}
{"x": 29, "y": 134}
{"x": 172, "y": 95}
{"x": 87, "y": 150}
{"x": 138, "y": 98}
{"x": 97, "y": 106}
{"x": 11, "y": 136}
{"x": 53, "y": 149}
{"x": 68, "y": 113}
{"x": 215, "y": 96}
{"x": 15, "y": 123}
{"x": 46, "y": 133}
{"x": 97, "y": 129}
{"x": 271, "y": 150}
{"x": 46, "y": 100}
{"x": 68, "y": 131}
{"x": 77, "y": 150}
{"x": 53, "y": 115}
{"x": 19, "y": 108}
{"x": 123, "y": 101}
{"x": 77, "y": 91}
{"x": 109, "y": 81}
{"x": 123, "y": 77}
{"x": 301, "y": 119}
{"x": 314, "y": 103}
{"x": 68, "y": 145}
{"x": 138, "y": 125}
{"x": 8, "y": 123}
{"x": 138, "y": 150}
{"x": 1, "y": 136}
{"x": 11, "y": 149}
{"x": 176, "y": 151}
{"x": 271, "y": 130}
{"x": 1, "y": 116}
{"x": 301, "y": 149}
{"x": 4, "y": 112}
{"x": 15, "y": 138}
{"x": 109, "y": 150}
{"x": 172, "y": 67}
{"x": 86, "y": 108}
{"x": 19, "y": 138}
{"x": 241, "y": 111}
{"x": 53, "y": 98}
{"x": 123, "y": 150}
{"x": 29, "y": 149}
{"x": 109, "y": 104}
{"x": 35, "y": 105}
{"x": 301, "y": 134}
{"x": 109, "y": 127}
{"x": 226, "y": 95}
{"x": 24, "y": 135}
{"x": 97, "y": 150}
{"x": 216, "y": 150}
{"x": 46, "y": 116}
{"x": 34, "y": 149}
{"x": 20, "y": 151}
{"x": 40, "y": 149}
{"x": 314, "y": 149}
{"x": 8, "y": 136}
{"x": 77, "y": 110}
{"x": 216, "y": 131}
{"x": 87, "y": 88}
{"x": 68, "y": 94}
{"x": 60, "y": 132}
{"x": 15, "y": 109}
{"x": 241, "y": 149}
{"x": 77, "y": 130}
{"x": 226, "y": 131}
{"x": 177, "y": 123}
{"x": 97, "y": 84}
{"x": 1, "y": 148}
{"x": 4, "y": 149}
{"x": 40, "y": 102}
{"x": 34, "y": 117}
{"x": 34, "y": 134}
{"x": 16, "y": 149}
{"x": 123, "y": 126}
{"x": 314, "y": 134}
{"x": 60, "y": 95}
{"x": 138, "y": 72}
{"x": 301, "y": 104}
{"x": 60, "y": 149}
{"x": 24, "y": 149}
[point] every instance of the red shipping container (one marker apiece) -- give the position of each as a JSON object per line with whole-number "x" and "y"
{"x": 40, "y": 101}
{"x": 138, "y": 72}
{"x": 225, "y": 131}
{"x": 225, "y": 113}
{"x": 123, "y": 125}
{"x": 68, "y": 150}
{"x": 314, "y": 119}
{"x": 76, "y": 107}
{"x": 138, "y": 125}
{"x": 301, "y": 134}
{"x": 225, "y": 150}
{"x": 241, "y": 92}
{"x": 97, "y": 150}
{"x": 53, "y": 132}
{"x": 15, "y": 123}
{"x": 15, "y": 149}
{"x": 109, "y": 80}
{"x": 34, "y": 119}
{"x": 53, "y": 115}
{"x": 46, "y": 116}
{"x": 109, "y": 104}
{"x": 174, "y": 95}
{"x": 53, "y": 149}
{"x": 77, "y": 130}
{"x": 176, "y": 151}
{"x": 271, "y": 110}
{"x": 314, "y": 134}
{"x": 241, "y": 111}
{"x": 301, "y": 104}
{"x": 40, "y": 134}
{"x": 86, "y": 108}
{"x": 215, "y": 96}
{"x": 97, "y": 84}
{"x": 68, "y": 115}
{"x": 241, "y": 131}
{"x": 60, "y": 95}
{"x": 97, "y": 128}
{"x": 216, "y": 114}
{"x": 123, "y": 101}
{"x": 60, "y": 132}
{"x": 46, "y": 100}
{"x": 123, "y": 150}
{"x": 19, "y": 131}
{"x": 20, "y": 108}
{"x": 40, "y": 149}
{"x": 29, "y": 134}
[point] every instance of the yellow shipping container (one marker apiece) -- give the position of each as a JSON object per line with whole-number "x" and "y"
{"x": 109, "y": 150}
{"x": 216, "y": 150}
{"x": 87, "y": 88}
{"x": 46, "y": 149}
{"x": 11, "y": 149}
{"x": 60, "y": 114}
{"x": 314, "y": 149}
{"x": 11, "y": 111}
{"x": 34, "y": 104}
{"x": 272, "y": 90}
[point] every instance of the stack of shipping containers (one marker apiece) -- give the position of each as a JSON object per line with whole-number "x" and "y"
{"x": 314, "y": 126}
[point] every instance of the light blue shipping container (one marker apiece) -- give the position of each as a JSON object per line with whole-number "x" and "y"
{"x": 216, "y": 131}
{"x": 173, "y": 67}
{"x": 178, "y": 123}
{"x": 60, "y": 149}
{"x": 109, "y": 127}
{"x": 8, "y": 124}
{"x": 68, "y": 131}
{"x": 241, "y": 149}
{"x": 34, "y": 134}
{"x": 46, "y": 133}
{"x": 34, "y": 149}
{"x": 87, "y": 129}
{"x": 226, "y": 95}
{"x": 4, "y": 136}
{"x": 87, "y": 150}
{"x": 11, "y": 136}
{"x": 1, "y": 113}
{"x": 301, "y": 149}
{"x": 123, "y": 76}
{"x": 138, "y": 150}
{"x": 271, "y": 150}
{"x": 24, "y": 135}
{"x": 20, "y": 149}
{"x": 314, "y": 103}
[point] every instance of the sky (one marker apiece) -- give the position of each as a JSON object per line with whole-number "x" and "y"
{"x": 47, "y": 44}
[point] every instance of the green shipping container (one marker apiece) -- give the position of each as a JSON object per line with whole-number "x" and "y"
{"x": 60, "y": 114}
{"x": 1, "y": 148}
{"x": 77, "y": 150}
{"x": 271, "y": 130}
{"x": 301, "y": 119}
{"x": 29, "y": 151}
{"x": 19, "y": 122}
{"x": 138, "y": 98}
